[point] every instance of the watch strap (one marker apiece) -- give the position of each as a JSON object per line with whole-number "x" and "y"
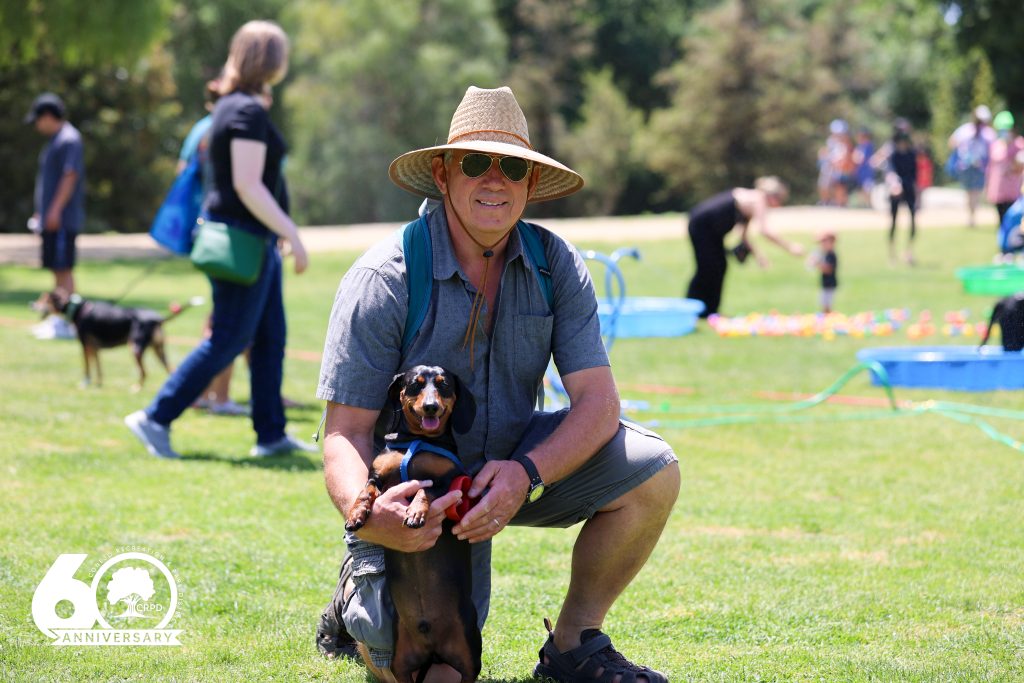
{"x": 531, "y": 470}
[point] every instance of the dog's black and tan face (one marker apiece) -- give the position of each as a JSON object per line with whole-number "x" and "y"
{"x": 427, "y": 395}
{"x": 52, "y": 303}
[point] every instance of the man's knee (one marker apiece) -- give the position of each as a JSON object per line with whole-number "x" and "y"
{"x": 655, "y": 496}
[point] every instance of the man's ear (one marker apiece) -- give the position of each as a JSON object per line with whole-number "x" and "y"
{"x": 439, "y": 173}
{"x": 465, "y": 406}
{"x": 534, "y": 179}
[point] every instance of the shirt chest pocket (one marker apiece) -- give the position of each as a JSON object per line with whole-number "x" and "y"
{"x": 532, "y": 344}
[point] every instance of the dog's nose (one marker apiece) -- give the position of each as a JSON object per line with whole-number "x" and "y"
{"x": 430, "y": 408}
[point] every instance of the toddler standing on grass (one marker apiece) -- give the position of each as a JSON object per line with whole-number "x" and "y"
{"x": 823, "y": 259}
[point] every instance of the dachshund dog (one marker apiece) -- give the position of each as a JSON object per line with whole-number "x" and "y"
{"x": 102, "y": 325}
{"x": 431, "y": 590}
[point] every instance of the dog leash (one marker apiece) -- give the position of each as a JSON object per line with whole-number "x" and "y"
{"x": 139, "y": 278}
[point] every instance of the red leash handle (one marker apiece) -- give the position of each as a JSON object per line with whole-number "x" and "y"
{"x": 457, "y": 511}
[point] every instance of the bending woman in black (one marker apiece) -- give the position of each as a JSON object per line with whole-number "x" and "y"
{"x": 714, "y": 218}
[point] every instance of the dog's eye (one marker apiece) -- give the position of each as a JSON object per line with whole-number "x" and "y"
{"x": 441, "y": 381}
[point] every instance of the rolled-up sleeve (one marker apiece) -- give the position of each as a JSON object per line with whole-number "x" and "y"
{"x": 364, "y": 337}
{"x": 576, "y": 342}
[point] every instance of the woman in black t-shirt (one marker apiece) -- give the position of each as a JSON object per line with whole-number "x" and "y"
{"x": 247, "y": 191}
{"x": 714, "y": 218}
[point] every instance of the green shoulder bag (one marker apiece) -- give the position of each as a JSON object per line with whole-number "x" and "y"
{"x": 227, "y": 253}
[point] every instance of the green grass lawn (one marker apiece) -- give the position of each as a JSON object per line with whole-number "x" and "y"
{"x": 847, "y": 546}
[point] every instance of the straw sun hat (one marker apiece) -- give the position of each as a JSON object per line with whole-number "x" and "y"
{"x": 489, "y": 121}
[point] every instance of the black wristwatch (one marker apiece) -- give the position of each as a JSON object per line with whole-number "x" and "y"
{"x": 536, "y": 483}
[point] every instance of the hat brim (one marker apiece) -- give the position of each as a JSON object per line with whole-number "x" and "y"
{"x": 412, "y": 170}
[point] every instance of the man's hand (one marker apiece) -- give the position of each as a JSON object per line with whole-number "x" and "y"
{"x": 386, "y": 524}
{"x": 506, "y": 483}
{"x": 52, "y": 223}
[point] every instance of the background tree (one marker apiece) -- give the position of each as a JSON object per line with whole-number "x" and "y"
{"x": 637, "y": 39}
{"x": 727, "y": 89}
{"x": 375, "y": 79}
{"x": 78, "y": 33}
{"x": 600, "y": 146}
{"x": 994, "y": 26}
{"x": 130, "y": 125}
{"x": 746, "y": 102}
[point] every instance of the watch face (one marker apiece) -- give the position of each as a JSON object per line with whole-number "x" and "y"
{"x": 535, "y": 493}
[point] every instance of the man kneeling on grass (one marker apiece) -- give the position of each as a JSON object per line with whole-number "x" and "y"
{"x": 490, "y": 321}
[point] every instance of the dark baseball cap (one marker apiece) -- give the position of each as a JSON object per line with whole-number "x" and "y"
{"x": 47, "y": 103}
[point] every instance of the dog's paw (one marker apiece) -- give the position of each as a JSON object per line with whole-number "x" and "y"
{"x": 415, "y": 521}
{"x": 356, "y": 520}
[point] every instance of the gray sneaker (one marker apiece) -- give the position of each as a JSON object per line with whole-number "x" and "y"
{"x": 155, "y": 437}
{"x": 286, "y": 444}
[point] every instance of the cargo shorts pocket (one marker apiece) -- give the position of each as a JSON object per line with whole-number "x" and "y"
{"x": 367, "y": 611}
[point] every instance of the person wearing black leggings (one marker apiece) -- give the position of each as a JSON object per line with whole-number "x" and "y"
{"x": 901, "y": 181}
{"x": 714, "y": 218}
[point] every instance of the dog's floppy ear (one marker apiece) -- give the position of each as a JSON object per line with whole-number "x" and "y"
{"x": 390, "y": 414}
{"x": 465, "y": 405}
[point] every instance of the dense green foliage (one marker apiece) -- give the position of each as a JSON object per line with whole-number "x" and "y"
{"x": 658, "y": 102}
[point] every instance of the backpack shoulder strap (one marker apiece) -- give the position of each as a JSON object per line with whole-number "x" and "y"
{"x": 533, "y": 245}
{"x": 419, "y": 274}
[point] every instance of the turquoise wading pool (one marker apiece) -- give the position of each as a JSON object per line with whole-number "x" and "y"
{"x": 648, "y": 316}
{"x": 957, "y": 368}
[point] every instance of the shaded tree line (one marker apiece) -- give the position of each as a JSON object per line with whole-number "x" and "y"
{"x": 656, "y": 102}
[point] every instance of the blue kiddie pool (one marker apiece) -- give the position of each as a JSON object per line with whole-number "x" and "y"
{"x": 648, "y": 316}
{"x": 643, "y": 316}
{"x": 957, "y": 368}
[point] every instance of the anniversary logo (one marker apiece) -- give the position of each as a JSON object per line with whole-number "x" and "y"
{"x": 131, "y": 600}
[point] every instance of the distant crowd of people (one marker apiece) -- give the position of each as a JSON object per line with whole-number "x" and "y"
{"x": 850, "y": 166}
{"x": 985, "y": 155}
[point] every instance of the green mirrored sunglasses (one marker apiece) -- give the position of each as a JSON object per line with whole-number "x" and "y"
{"x": 475, "y": 164}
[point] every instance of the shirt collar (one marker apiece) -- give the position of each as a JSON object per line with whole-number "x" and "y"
{"x": 445, "y": 263}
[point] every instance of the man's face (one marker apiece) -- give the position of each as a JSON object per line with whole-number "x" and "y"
{"x": 47, "y": 124}
{"x": 489, "y": 204}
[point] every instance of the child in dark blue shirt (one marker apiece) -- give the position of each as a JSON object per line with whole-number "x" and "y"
{"x": 824, "y": 261}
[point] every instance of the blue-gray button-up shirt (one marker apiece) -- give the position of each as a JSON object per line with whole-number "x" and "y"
{"x": 362, "y": 353}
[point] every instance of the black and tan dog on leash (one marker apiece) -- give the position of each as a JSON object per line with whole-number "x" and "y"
{"x": 432, "y": 590}
{"x": 103, "y": 325}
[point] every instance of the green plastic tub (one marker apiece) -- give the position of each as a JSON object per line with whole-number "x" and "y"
{"x": 992, "y": 280}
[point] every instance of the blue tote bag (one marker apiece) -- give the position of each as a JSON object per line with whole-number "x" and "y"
{"x": 176, "y": 218}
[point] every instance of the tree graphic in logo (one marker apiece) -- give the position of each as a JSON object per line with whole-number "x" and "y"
{"x": 130, "y": 585}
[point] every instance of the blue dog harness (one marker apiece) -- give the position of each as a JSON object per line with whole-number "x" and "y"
{"x": 413, "y": 447}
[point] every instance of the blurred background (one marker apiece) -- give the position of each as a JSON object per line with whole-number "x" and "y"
{"x": 657, "y": 103}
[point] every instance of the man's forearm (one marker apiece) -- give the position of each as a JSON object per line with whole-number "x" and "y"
{"x": 591, "y": 422}
{"x": 345, "y": 469}
{"x": 65, "y": 188}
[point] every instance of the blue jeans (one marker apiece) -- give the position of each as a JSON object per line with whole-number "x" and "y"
{"x": 243, "y": 316}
